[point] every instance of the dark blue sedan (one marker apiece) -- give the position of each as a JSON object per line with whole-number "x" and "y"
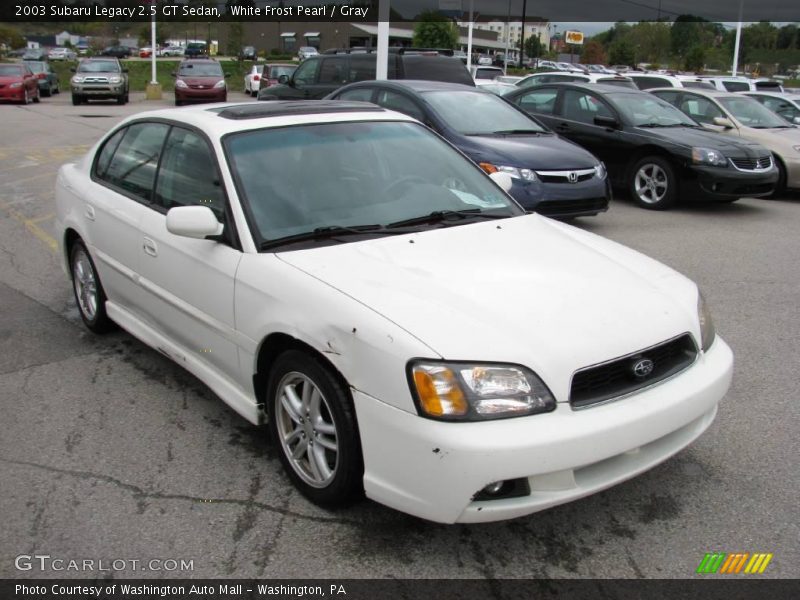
{"x": 551, "y": 175}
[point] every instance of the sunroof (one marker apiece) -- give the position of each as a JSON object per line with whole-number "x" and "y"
{"x": 275, "y": 108}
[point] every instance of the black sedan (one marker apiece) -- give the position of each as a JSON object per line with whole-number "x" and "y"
{"x": 550, "y": 175}
{"x": 650, "y": 147}
{"x": 45, "y": 76}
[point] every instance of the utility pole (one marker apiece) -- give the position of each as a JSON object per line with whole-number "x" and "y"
{"x": 522, "y": 35}
{"x": 508, "y": 38}
{"x": 153, "y": 90}
{"x": 382, "y": 67}
{"x": 735, "y": 66}
{"x": 469, "y": 36}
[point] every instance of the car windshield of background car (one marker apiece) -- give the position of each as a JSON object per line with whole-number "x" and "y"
{"x": 476, "y": 113}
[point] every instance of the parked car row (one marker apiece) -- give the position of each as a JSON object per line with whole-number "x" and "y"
{"x": 18, "y": 83}
{"x": 263, "y": 76}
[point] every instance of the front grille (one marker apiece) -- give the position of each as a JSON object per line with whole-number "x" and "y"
{"x": 564, "y": 176}
{"x": 761, "y": 163}
{"x": 95, "y": 80}
{"x": 616, "y": 378}
{"x": 559, "y": 208}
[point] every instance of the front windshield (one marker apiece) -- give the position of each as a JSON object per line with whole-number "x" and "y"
{"x": 301, "y": 178}
{"x": 750, "y": 113}
{"x": 99, "y": 66}
{"x": 36, "y": 67}
{"x": 644, "y": 110}
{"x": 476, "y": 113}
{"x": 200, "y": 70}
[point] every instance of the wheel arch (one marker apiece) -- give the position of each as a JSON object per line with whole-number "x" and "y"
{"x": 273, "y": 346}
{"x": 650, "y": 150}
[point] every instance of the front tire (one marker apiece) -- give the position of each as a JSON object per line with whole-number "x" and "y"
{"x": 312, "y": 421}
{"x": 88, "y": 290}
{"x": 76, "y": 100}
{"x": 780, "y": 185}
{"x": 653, "y": 184}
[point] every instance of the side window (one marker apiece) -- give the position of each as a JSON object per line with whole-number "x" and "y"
{"x": 306, "y": 73}
{"x": 670, "y": 97}
{"x": 133, "y": 167}
{"x": 647, "y": 83}
{"x": 362, "y": 68}
{"x": 700, "y": 109}
{"x": 400, "y": 103}
{"x": 583, "y": 107}
{"x": 188, "y": 174}
{"x": 539, "y": 101}
{"x": 333, "y": 70}
{"x": 736, "y": 86}
{"x": 104, "y": 159}
{"x": 359, "y": 95}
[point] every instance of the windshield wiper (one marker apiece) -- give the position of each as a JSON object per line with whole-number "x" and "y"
{"x": 670, "y": 125}
{"x": 439, "y": 216}
{"x": 509, "y": 132}
{"x": 326, "y": 233}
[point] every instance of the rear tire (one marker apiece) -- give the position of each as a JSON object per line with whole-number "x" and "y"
{"x": 88, "y": 291}
{"x": 780, "y": 185}
{"x": 652, "y": 183}
{"x": 312, "y": 422}
{"x": 26, "y": 99}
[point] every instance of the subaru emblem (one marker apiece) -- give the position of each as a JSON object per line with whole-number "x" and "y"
{"x": 642, "y": 368}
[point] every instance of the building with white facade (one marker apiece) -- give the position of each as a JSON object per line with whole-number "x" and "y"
{"x": 512, "y": 31}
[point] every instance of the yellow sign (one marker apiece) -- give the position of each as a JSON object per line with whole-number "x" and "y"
{"x": 574, "y": 37}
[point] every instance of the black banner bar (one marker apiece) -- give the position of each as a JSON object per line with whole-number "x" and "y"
{"x": 705, "y": 588}
{"x": 366, "y": 11}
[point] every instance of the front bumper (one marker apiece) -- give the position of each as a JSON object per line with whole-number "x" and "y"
{"x": 433, "y": 469}
{"x": 715, "y": 183}
{"x": 201, "y": 95}
{"x": 98, "y": 91}
{"x": 13, "y": 94}
{"x": 584, "y": 198}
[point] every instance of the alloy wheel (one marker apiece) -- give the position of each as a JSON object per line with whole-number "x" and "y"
{"x": 306, "y": 429}
{"x": 85, "y": 283}
{"x": 651, "y": 183}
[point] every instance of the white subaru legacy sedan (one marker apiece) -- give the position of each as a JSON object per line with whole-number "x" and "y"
{"x": 342, "y": 274}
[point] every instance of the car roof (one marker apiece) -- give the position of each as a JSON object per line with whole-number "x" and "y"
{"x": 218, "y": 120}
{"x": 700, "y": 92}
{"x": 416, "y": 85}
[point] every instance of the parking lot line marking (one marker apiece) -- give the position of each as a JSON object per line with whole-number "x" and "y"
{"x": 46, "y": 217}
{"x": 31, "y": 225}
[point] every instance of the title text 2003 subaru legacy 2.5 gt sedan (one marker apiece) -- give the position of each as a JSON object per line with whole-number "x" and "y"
{"x": 344, "y": 274}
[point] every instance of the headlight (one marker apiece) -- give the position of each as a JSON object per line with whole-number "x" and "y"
{"x": 115, "y": 80}
{"x": 524, "y": 174}
{"x": 77, "y": 79}
{"x": 707, "y": 156}
{"x": 16, "y": 85}
{"x": 220, "y": 84}
{"x": 600, "y": 171}
{"x": 180, "y": 83}
{"x": 707, "y": 331}
{"x": 475, "y": 392}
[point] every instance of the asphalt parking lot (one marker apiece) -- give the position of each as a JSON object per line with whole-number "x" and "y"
{"x": 110, "y": 451}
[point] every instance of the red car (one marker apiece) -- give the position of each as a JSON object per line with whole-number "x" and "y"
{"x": 200, "y": 80}
{"x": 18, "y": 83}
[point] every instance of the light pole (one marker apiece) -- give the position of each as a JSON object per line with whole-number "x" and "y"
{"x": 153, "y": 90}
{"x": 735, "y": 66}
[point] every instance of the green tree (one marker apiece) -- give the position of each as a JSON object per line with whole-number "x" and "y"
{"x": 533, "y": 47}
{"x": 695, "y": 59}
{"x": 434, "y": 30}
{"x": 686, "y": 32}
{"x": 235, "y": 38}
{"x": 11, "y": 38}
{"x": 621, "y": 52}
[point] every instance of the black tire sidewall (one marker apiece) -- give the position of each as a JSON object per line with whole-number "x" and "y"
{"x": 347, "y": 484}
{"x": 669, "y": 198}
{"x": 101, "y": 323}
{"x": 780, "y": 185}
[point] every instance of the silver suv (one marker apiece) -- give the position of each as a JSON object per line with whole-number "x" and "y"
{"x": 99, "y": 79}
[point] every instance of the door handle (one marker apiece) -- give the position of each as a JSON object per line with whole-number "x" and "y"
{"x": 150, "y": 247}
{"x": 89, "y": 212}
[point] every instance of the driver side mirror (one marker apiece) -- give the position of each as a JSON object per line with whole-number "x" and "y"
{"x": 723, "y": 122}
{"x": 796, "y": 120}
{"x": 606, "y": 122}
{"x": 503, "y": 180}
{"x": 196, "y": 222}
{"x": 284, "y": 79}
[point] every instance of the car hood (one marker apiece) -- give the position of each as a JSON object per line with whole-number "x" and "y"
{"x": 778, "y": 140}
{"x": 538, "y": 152}
{"x": 694, "y": 137}
{"x": 526, "y": 290}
